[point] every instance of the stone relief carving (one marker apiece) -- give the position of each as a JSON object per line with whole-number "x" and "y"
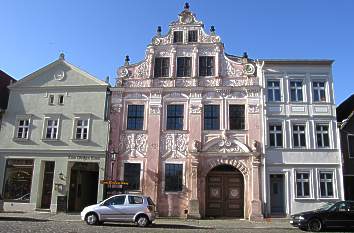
{"x": 133, "y": 144}
{"x": 253, "y": 108}
{"x": 155, "y": 109}
{"x": 237, "y": 94}
{"x": 195, "y": 108}
{"x": 174, "y": 145}
{"x": 205, "y": 38}
{"x": 186, "y": 82}
{"x": 116, "y": 107}
{"x": 226, "y": 144}
{"x": 253, "y": 92}
{"x": 142, "y": 70}
{"x": 230, "y": 69}
{"x": 211, "y": 82}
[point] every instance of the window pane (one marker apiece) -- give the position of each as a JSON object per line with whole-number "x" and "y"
{"x": 298, "y": 189}
{"x": 161, "y": 68}
{"x": 211, "y": 117}
{"x": 173, "y": 177}
{"x": 175, "y": 117}
{"x": 306, "y": 189}
{"x": 237, "y": 116}
{"x": 193, "y": 36}
{"x": 132, "y": 175}
{"x": 184, "y": 66}
{"x": 177, "y": 36}
{"x": 279, "y": 140}
{"x": 18, "y": 179}
{"x": 135, "y": 117}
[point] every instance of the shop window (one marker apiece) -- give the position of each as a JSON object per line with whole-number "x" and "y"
{"x": 132, "y": 175}
{"x": 18, "y": 179}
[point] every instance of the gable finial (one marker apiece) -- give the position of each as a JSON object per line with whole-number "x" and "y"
{"x": 61, "y": 56}
{"x": 126, "y": 61}
{"x": 159, "y": 30}
{"x": 186, "y": 6}
{"x": 107, "y": 79}
{"x": 212, "y": 30}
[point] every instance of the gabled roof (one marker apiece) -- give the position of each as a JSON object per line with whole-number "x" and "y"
{"x": 60, "y": 61}
{"x": 345, "y": 109}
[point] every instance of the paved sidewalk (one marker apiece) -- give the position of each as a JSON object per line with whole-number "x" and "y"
{"x": 274, "y": 223}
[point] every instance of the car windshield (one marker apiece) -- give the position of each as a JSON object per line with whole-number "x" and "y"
{"x": 326, "y": 206}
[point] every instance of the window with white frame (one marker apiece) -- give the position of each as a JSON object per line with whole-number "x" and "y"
{"x": 61, "y": 99}
{"x": 273, "y": 87}
{"x": 22, "y": 128}
{"x": 135, "y": 117}
{"x": 175, "y": 117}
{"x": 322, "y": 135}
{"x": 296, "y": 91}
{"x": 326, "y": 184}
{"x": 275, "y": 135}
{"x": 51, "y": 128}
{"x": 302, "y": 184}
{"x": 173, "y": 177}
{"x": 299, "y": 136}
{"x": 51, "y": 99}
{"x": 81, "y": 129}
{"x": 351, "y": 146}
{"x": 319, "y": 91}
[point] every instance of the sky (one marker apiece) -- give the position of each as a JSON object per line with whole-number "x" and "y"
{"x": 95, "y": 35}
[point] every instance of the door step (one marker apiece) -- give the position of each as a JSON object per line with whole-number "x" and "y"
{"x": 42, "y": 210}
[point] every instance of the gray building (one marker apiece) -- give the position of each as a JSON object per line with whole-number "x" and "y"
{"x": 53, "y": 140}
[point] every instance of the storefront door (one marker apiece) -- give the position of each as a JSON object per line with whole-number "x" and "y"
{"x": 47, "y": 184}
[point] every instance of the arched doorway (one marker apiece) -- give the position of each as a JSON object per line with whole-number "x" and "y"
{"x": 224, "y": 192}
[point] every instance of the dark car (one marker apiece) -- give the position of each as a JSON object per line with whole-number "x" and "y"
{"x": 337, "y": 215}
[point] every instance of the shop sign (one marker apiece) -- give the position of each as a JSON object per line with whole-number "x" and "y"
{"x": 83, "y": 157}
{"x": 113, "y": 182}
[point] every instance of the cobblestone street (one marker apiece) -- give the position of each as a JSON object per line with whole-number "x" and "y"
{"x": 65, "y": 223}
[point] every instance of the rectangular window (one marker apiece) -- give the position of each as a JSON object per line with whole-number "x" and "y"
{"x": 178, "y": 37}
{"x": 351, "y": 146}
{"x": 211, "y": 117}
{"x": 51, "y": 99}
{"x": 175, "y": 117}
{"x": 81, "y": 129}
{"x": 132, "y": 175}
{"x": 22, "y": 131}
{"x": 237, "y": 116}
{"x": 273, "y": 91}
{"x": 319, "y": 92}
{"x": 206, "y": 66}
{"x": 184, "y": 66}
{"x": 275, "y": 136}
{"x": 299, "y": 138}
{"x": 296, "y": 91}
{"x": 326, "y": 184}
{"x": 51, "y": 128}
{"x": 193, "y": 36}
{"x": 135, "y": 117}
{"x": 162, "y": 67}
{"x": 61, "y": 99}
{"x": 302, "y": 184}
{"x": 18, "y": 179}
{"x": 322, "y": 136}
{"x": 173, "y": 177}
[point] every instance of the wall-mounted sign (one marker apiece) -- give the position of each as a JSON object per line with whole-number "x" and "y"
{"x": 83, "y": 157}
{"x": 114, "y": 182}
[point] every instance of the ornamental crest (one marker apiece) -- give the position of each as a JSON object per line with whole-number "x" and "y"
{"x": 133, "y": 144}
{"x": 174, "y": 145}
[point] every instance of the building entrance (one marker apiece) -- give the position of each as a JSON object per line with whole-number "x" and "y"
{"x": 224, "y": 192}
{"x": 83, "y": 186}
{"x": 277, "y": 194}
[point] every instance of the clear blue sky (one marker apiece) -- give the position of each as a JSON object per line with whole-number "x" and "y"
{"x": 96, "y": 35}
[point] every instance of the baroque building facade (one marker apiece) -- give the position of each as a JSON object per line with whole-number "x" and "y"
{"x": 186, "y": 125}
{"x": 54, "y": 140}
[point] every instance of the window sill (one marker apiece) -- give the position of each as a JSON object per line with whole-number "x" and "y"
{"x": 327, "y": 198}
{"x": 175, "y": 131}
{"x": 20, "y": 139}
{"x": 135, "y": 131}
{"x": 79, "y": 140}
{"x": 50, "y": 139}
{"x": 304, "y": 198}
{"x": 173, "y": 192}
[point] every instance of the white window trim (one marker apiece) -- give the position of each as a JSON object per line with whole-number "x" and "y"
{"x": 192, "y": 66}
{"x": 222, "y": 119}
{"x": 197, "y": 66}
{"x": 125, "y": 113}
{"x": 325, "y": 81}
{"x": 350, "y": 135}
{"x": 59, "y": 99}
{"x": 169, "y": 67}
{"x": 303, "y": 89}
{"x": 311, "y": 188}
{"x": 163, "y": 182}
{"x": 307, "y": 134}
{"x": 181, "y": 101}
{"x": 30, "y": 122}
{"x": 227, "y": 114}
{"x": 330, "y": 134}
{"x": 281, "y": 123}
{"x": 271, "y": 79}
{"x": 202, "y": 115}
{"x": 45, "y": 126}
{"x": 82, "y": 116}
{"x": 121, "y": 175}
{"x": 49, "y": 98}
{"x": 334, "y": 183}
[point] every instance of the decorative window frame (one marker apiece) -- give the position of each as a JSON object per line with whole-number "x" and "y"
{"x": 281, "y": 88}
{"x": 30, "y": 123}
{"x": 121, "y": 174}
{"x": 282, "y": 124}
{"x": 330, "y": 134}
{"x": 326, "y": 90}
{"x": 307, "y": 134}
{"x": 82, "y": 116}
{"x": 197, "y": 65}
{"x": 170, "y": 71}
{"x": 214, "y": 101}
{"x": 193, "y": 65}
{"x": 163, "y": 181}
{"x": 227, "y": 104}
{"x": 181, "y": 100}
{"x": 311, "y": 183}
{"x": 334, "y": 183}
{"x": 130, "y": 99}
{"x": 303, "y": 89}
{"x": 47, "y": 117}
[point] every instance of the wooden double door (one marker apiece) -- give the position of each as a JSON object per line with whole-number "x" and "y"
{"x": 224, "y": 194}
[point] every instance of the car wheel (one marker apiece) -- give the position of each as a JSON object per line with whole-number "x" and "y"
{"x": 142, "y": 221}
{"x": 91, "y": 219}
{"x": 314, "y": 225}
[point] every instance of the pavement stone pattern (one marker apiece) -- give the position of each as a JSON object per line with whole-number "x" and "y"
{"x": 43, "y": 222}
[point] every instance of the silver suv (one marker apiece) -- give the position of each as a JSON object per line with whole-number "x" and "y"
{"x": 121, "y": 208}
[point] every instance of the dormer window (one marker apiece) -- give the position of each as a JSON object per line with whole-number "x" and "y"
{"x": 193, "y": 36}
{"x": 178, "y": 37}
{"x": 162, "y": 67}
